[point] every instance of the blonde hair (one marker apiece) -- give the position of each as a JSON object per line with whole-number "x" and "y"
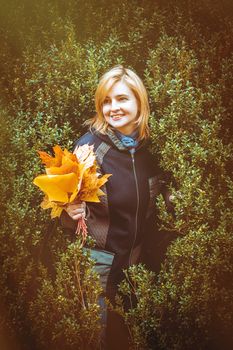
{"x": 114, "y": 75}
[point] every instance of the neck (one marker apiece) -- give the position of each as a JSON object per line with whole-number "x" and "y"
{"x": 133, "y": 134}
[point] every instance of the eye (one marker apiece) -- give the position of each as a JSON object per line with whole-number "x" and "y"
{"x": 123, "y": 98}
{"x": 106, "y": 101}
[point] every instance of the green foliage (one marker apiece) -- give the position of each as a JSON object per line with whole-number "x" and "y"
{"x": 72, "y": 296}
{"x": 187, "y": 133}
{"x": 144, "y": 313}
{"x": 189, "y": 305}
{"x": 52, "y": 55}
{"x": 195, "y": 292}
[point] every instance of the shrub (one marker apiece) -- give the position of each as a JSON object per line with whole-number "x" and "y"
{"x": 65, "y": 313}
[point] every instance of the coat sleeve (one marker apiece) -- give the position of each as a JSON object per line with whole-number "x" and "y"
{"x": 67, "y": 222}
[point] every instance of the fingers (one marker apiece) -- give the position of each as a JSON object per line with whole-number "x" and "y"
{"x": 76, "y": 210}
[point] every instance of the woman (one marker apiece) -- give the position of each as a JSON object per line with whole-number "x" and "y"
{"x": 123, "y": 220}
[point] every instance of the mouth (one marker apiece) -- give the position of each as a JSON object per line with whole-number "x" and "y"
{"x": 116, "y": 117}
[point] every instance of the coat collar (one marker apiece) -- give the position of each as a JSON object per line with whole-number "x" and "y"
{"x": 111, "y": 138}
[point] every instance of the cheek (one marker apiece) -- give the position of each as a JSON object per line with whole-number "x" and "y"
{"x": 105, "y": 109}
{"x": 134, "y": 110}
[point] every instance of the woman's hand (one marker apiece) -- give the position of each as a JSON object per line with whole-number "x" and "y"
{"x": 76, "y": 210}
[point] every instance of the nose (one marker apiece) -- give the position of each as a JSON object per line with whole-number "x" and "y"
{"x": 114, "y": 105}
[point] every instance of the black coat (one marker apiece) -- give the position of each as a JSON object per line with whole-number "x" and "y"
{"x": 124, "y": 221}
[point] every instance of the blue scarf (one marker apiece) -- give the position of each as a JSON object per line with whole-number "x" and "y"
{"x": 128, "y": 141}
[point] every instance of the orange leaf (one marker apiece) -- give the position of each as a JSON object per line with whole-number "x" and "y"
{"x": 52, "y": 161}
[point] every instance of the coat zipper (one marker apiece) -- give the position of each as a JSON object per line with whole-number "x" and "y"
{"x": 132, "y": 151}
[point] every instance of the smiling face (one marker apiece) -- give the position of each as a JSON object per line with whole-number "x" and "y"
{"x": 120, "y": 108}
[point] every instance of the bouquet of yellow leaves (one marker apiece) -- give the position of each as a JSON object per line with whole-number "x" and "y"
{"x": 70, "y": 177}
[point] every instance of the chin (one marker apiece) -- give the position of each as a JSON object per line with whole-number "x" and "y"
{"x": 117, "y": 125}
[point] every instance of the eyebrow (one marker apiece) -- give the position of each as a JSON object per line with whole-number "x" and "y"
{"x": 120, "y": 95}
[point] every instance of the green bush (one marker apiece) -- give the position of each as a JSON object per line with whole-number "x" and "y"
{"x": 72, "y": 296}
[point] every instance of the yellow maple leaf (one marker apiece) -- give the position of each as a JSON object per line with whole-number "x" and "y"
{"x": 57, "y": 187}
{"x": 56, "y": 208}
{"x": 52, "y": 161}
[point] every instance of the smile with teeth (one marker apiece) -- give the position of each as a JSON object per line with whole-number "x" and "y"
{"x": 116, "y": 117}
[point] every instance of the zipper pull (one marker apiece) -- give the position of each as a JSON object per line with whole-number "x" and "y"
{"x": 132, "y": 151}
